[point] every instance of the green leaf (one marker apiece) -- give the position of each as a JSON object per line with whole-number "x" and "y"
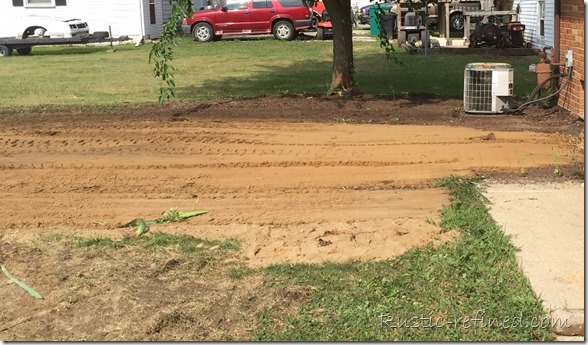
{"x": 132, "y": 223}
{"x": 161, "y": 53}
{"x": 141, "y": 227}
{"x": 169, "y": 216}
{"x": 21, "y": 284}
{"x": 189, "y": 214}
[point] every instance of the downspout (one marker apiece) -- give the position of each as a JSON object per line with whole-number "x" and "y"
{"x": 556, "y": 32}
{"x": 142, "y": 21}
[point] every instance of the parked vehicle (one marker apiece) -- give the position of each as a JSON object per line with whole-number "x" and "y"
{"x": 456, "y": 9}
{"x": 324, "y": 28}
{"x": 43, "y": 26}
{"x": 364, "y": 12}
{"x": 317, "y": 13}
{"x": 24, "y": 46}
{"x": 282, "y": 18}
{"x": 364, "y": 15}
{"x": 456, "y": 18}
{"x": 510, "y": 35}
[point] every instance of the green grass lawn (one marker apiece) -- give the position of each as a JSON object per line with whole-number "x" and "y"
{"x": 468, "y": 289}
{"x": 474, "y": 276}
{"x": 90, "y": 76}
{"x": 471, "y": 289}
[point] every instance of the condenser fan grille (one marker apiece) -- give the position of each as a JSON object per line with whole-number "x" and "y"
{"x": 487, "y": 87}
{"x": 478, "y": 93}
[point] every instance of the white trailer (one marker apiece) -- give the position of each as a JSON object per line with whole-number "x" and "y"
{"x": 138, "y": 19}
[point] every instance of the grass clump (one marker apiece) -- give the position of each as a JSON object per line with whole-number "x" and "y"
{"x": 471, "y": 289}
{"x": 185, "y": 243}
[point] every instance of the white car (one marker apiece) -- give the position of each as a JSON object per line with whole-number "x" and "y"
{"x": 41, "y": 26}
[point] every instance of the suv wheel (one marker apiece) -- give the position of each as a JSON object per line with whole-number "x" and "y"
{"x": 202, "y": 32}
{"x": 284, "y": 31}
{"x": 457, "y": 22}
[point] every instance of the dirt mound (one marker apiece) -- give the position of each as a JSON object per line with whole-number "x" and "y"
{"x": 291, "y": 191}
{"x": 295, "y": 179}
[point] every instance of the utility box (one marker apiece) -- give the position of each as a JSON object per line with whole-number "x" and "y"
{"x": 543, "y": 70}
{"x": 487, "y": 87}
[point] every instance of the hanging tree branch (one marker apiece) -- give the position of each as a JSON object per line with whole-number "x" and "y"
{"x": 162, "y": 53}
{"x": 385, "y": 43}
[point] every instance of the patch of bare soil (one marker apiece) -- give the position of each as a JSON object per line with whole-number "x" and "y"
{"x": 129, "y": 294}
{"x": 295, "y": 179}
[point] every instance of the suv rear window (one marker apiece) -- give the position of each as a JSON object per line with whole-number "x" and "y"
{"x": 262, "y": 4}
{"x": 292, "y": 3}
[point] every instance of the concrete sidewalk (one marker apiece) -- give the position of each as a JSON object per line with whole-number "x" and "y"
{"x": 546, "y": 221}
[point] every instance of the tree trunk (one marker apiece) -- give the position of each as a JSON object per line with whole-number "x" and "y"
{"x": 340, "y": 13}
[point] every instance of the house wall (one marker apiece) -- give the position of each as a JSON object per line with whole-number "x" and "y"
{"x": 572, "y": 38}
{"x": 163, "y": 10}
{"x": 529, "y": 15}
{"x": 166, "y": 9}
{"x": 123, "y": 16}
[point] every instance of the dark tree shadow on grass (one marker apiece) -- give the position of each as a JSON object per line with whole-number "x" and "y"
{"x": 417, "y": 80}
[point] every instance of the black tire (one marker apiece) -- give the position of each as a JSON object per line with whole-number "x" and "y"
{"x": 5, "y": 51}
{"x": 320, "y": 33}
{"x": 24, "y": 51}
{"x": 284, "y": 30}
{"x": 100, "y": 34}
{"x": 314, "y": 21}
{"x": 473, "y": 43}
{"x": 456, "y": 22}
{"x": 202, "y": 32}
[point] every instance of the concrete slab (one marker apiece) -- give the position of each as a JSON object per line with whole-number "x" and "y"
{"x": 546, "y": 221}
{"x": 564, "y": 338}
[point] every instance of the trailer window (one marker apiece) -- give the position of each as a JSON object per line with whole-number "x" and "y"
{"x": 39, "y": 3}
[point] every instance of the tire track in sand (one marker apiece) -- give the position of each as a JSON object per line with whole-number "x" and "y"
{"x": 276, "y": 186}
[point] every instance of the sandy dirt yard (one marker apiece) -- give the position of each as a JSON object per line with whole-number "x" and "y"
{"x": 295, "y": 179}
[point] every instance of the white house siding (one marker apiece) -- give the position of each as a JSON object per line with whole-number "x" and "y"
{"x": 167, "y": 9}
{"x": 123, "y": 16}
{"x": 158, "y": 28}
{"x": 163, "y": 12}
{"x": 529, "y": 15}
{"x": 549, "y": 39}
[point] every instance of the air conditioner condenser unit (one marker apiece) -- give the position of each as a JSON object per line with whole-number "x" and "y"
{"x": 487, "y": 87}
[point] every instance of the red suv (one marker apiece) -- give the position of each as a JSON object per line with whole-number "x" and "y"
{"x": 283, "y": 18}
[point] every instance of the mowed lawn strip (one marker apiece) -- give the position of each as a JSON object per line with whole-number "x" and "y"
{"x": 89, "y": 76}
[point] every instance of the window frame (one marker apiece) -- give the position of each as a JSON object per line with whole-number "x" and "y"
{"x": 51, "y": 3}
{"x": 541, "y": 17}
{"x": 152, "y": 12}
